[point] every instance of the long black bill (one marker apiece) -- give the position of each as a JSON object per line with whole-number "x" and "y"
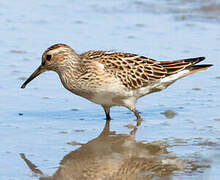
{"x": 36, "y": 73}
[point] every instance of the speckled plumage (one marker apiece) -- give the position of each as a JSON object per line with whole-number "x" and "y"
{"x": 113, "y": 78}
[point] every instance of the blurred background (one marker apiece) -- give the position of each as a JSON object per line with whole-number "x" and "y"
{"x": 41, "y": 120}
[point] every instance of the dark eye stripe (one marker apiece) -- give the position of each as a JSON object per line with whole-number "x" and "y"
{"x": 48, "y": 57}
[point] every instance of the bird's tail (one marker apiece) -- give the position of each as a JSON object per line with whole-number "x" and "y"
{"x": 176, "y": 66}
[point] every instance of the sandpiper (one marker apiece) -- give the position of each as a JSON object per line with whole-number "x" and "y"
{"x": 113, "y": 78}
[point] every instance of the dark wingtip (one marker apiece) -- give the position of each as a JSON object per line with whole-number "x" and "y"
{"x": 202, "y": 66}
{"x": 194, "y": 60}
{"x": 201, "y": 58}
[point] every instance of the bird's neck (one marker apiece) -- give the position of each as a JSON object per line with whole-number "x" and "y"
{"x": 69, "y": 66}
{"x": 69, "y": 73}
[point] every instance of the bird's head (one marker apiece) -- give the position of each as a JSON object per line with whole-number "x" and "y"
{"x": 54, "y": 58}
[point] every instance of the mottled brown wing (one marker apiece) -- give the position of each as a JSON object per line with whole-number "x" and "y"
{"x": 173, "y": 67}
{"x": 134, "y": 71}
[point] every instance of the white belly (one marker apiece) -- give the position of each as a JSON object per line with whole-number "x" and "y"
{"x": 111, "y": 97}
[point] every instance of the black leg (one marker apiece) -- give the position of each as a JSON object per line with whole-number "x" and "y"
{"x": 108, "y": 117}
{"x": 139, "y": 119}
{"x": 137, "y": 114}
{"x": 107, "y": 112}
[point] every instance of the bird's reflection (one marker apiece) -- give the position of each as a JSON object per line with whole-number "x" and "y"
{"x": 113, "y": 156}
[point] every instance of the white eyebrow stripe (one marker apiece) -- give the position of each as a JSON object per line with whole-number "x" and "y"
{"x": 57, "y": 50}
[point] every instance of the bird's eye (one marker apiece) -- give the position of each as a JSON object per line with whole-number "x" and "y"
{"x": 48, "y": 57}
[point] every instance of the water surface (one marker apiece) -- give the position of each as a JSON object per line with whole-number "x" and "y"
{"x": 43, "y": 119}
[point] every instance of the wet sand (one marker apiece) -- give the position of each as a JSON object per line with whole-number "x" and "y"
{"x": 179, "y": 135}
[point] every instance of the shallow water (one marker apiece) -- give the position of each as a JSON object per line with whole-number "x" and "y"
{"x": 42, "y": 120}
